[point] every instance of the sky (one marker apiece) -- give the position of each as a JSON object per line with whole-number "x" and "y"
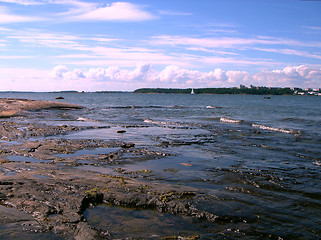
{"x": 104, "y": 45}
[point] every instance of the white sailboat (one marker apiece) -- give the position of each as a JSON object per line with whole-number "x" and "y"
{"x": 192, "y": 92}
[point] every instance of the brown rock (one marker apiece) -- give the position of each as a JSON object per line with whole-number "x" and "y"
{"x": 11, "y": 106}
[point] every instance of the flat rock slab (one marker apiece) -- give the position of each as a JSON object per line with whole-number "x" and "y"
{"x": 11, "y": 215}
{"x": 12, "y": 106}
{"x": 15, "y": 224}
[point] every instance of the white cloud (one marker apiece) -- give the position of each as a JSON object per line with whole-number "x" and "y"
{"x": 4, "y": 29}
{"x": 202, "y": 53}
{"x": 123, "y": 56}
{"x": 75, "y": 7}
{"x": 237, "y": 77}
{"x": 7, "y": 17}
{"x": 58, "y": 71}
{"x": 81, "y": 11}
{"x": 143, "y": 72}
{"x": 173, "y": 76}
{"x": 104, "y": 39}
{"x": 117, "y": 11}
{"x": 23, "y": 2}
{"x": 219, "y": 74}
{"x": 237, "y": 61}
{"x": 290, "y": 52}
{"x": 313, "y": 27}
{"x": 96, "y": 51}
{"x": 2, "y": 43}
{"x": 301, "y": 76}
{"x": 115, "y": 78}
{"x": 52, "y": 40}
{"x": 227, "y": 42}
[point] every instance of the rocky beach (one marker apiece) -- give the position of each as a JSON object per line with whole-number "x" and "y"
{"x": 44, "y": 195}
{"x": 135, "y": 166}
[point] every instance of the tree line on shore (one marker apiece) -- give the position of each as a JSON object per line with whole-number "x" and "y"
{"x": 250, "y": 91}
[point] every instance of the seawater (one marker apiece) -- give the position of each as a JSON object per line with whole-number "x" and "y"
{"x": 258, "y": 160}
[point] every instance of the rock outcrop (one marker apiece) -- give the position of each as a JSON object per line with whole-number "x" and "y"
{"x": 10, "y": 107}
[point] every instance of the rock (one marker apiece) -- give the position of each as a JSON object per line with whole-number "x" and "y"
{"x": 256, "y": 131}
{"x": 85, "y": 232}
{"x": 60, "y": 98}
{"x": 128, "y": 145}
{"x": 12, "y": 106}
{"x": 10, "y": 215}
{"x": 93, "y": 197}
{"x": 53, "y": 195}
{"x": 121, "y": 131}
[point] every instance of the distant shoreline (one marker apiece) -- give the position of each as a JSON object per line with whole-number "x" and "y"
{"x": 232, "y": 91}
{"x": 242, "y": 90}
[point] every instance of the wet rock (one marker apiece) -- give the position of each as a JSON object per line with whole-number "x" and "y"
{"x": 121, "y": 131}
{"x": 93, "y": 197}
{"x": 10, "y": 215}
{"x": 9, "y": 131}
{"x": 85, "y": 232}
{"x": 256, "y": 131}
{"x": 59, "y": 198}
{"x": 128, "y": 145}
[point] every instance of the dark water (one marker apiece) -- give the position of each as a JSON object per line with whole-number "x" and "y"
{"x": 258, "y": 160}
{"x": 146, "y": 224}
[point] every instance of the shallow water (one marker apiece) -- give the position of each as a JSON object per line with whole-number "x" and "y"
{"x": 260, "y": 168}
{"x": 17, "y": 158}
{"x": 88, "y": 151}
{"x": 145, "y": 224}
{"x": 15, "y": 231}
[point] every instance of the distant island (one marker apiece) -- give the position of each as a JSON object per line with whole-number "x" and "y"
{"x": 251, "y": 90}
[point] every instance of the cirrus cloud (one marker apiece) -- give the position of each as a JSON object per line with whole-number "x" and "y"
{"x": 22, "y": 2}
{"x": 80, "y": 11}
{"x": 117, "y": 11}
{"x": 7, "y": 17}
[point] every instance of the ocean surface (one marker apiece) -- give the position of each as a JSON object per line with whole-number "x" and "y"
{"x": 258, "y": 160}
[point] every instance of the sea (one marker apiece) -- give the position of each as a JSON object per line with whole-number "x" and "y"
{"x": 256, "y": 159}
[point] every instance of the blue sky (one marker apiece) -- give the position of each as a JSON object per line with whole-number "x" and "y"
{"x": 52, "y": 45}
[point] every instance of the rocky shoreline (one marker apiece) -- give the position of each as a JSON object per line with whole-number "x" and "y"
{"x": 10, "y": 107}
{"x": 44, "y": 192}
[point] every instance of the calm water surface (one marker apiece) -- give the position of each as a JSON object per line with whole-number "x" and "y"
{"x": 258, "y": 160}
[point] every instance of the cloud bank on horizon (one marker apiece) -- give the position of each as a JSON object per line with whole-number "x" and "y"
{"x": 52, "y": 45}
